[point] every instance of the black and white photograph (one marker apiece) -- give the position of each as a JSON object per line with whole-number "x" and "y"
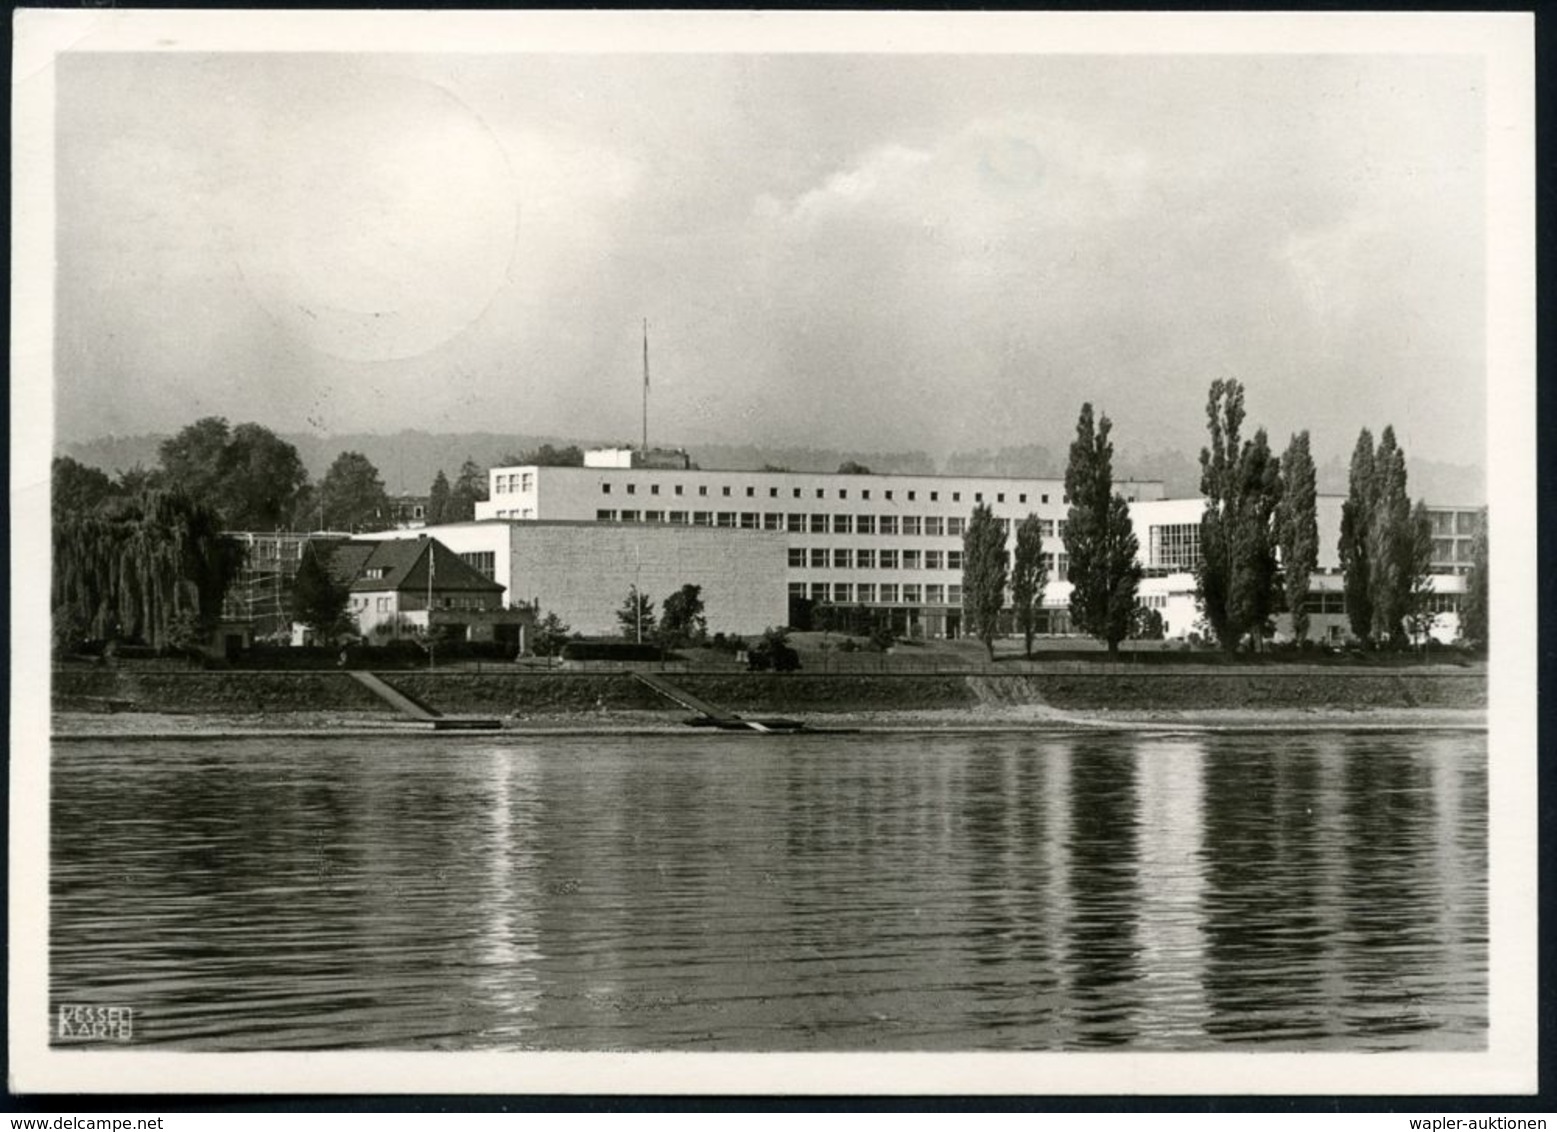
{"x": 731, "y": 552}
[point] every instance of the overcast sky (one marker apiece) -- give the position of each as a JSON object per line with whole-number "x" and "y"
{"x": 863, "y": 252}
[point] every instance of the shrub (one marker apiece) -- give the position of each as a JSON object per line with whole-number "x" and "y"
{"x": 611, "y": 650}
{"x": 773, "y": 653}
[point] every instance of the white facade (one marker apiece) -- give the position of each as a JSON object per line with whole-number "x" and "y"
{"x": 895, "y": 541}
{"x": 884, "y": 541}
{"x": 1168, "y": 532}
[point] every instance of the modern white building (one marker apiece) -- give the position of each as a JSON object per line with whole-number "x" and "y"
{"x": 894, "y": 542}
{"x": 889, "y": 542}
{"x": 1168, "y": 532}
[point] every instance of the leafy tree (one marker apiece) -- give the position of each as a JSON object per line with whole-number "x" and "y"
{"x": 853, "y": 468}
{"x": 139, "y": 480}
{"x": 1475, "y": 611}
{"x": 1297, "y": 529}
{"x": 438, "y": 499}
{"x": 1389, "y": 542}
{"x": 352, "y": 497}
{"x": 1416, "y": 549}
{"x": 185, "y": 633}
{"x": 773, "y": 653}
{"x": 319, "y": 599}
{"x": 550, "y": 636}
{"x": 547, "y": 456}
{"x": 983, "y": 575}
{"x": 1099, "y": 537}
{"x": 774, "y": 468}
{"x": 1356, "y": 551}
{"x": 248, "y": 474}
{"x": 1241, "y": 482}
{"x": 79, "y": 489}
{"x": 681, "y": 618}
{"x": 264, "y": 478}
{"x": 1146, "y": 624}
{"x": 470, "y": 488}
{"x": 130, "y": 571}
{"x": 1385, "y": 551}
{"x": 195, "y": 458}
{"x": 1028, "y": 578}
{"x": 636, "y": 617}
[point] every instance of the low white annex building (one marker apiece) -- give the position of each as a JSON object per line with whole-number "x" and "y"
{"x": 584, "y": 571}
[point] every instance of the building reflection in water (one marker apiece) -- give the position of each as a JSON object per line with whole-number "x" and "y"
{"x": 507, "y": 947}
{"x": 866, "y": 892}
{"x": 1101, "y": 940}
{"x": 1264, "y": 919}
{"x": 1172, "y": 1006}
{"x": 1011, "y": 873}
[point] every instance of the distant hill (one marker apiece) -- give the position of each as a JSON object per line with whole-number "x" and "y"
{"x": 409, "y": 461}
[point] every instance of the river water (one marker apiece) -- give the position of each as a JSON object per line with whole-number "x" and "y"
{"x": 715, "y": 892}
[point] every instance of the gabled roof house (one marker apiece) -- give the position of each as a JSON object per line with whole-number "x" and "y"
{"x": 400, "y": 587}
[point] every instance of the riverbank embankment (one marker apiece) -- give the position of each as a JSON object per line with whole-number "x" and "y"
{"x": 109, "y": 701}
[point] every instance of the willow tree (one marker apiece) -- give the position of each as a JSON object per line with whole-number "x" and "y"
{"x": 145, "y": 571}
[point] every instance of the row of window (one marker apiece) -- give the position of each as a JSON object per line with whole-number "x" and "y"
{"x": 727, "y": 491}
{"x": 859, "y": 558}
{"x": 1173, "y": 545}
{"x": 843, "y": 558}
{"x": 1455, "y": 522}
{"x": 484, "y": 562}
{"x": 385, "y": 603}
{"x": 868, "y": 593}
{"x": 1449, "y": 550}
{"x": 505, "y": 484}
{"x": 1336, "y": 603}
{"x": 911, "y": 526}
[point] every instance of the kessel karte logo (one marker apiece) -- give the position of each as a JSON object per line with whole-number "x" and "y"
{"x": 95, "y": 1024}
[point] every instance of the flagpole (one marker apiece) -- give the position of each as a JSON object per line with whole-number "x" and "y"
{"x": 646, "y": 388}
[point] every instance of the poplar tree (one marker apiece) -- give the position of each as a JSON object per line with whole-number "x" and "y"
{"x": 1386, "y": 546}
{"x": 1104, "y": 571}
{"x": 438, "y": 499}
{"x": 1474, "y": 613}
{"x": 1416, "y": 550}
{"x": 983, "y": 575}
{"x": 1297, "y": 526}
{"x": 1241, "y": 482}
{"x": 1027, "y": 578}
{"x": 1356, "y": 522}
{"x": 1389, "y": 541}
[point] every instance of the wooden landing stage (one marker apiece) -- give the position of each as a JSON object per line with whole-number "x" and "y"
{"x": 420, "y": 712}
{"x": 710, "y": 716}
